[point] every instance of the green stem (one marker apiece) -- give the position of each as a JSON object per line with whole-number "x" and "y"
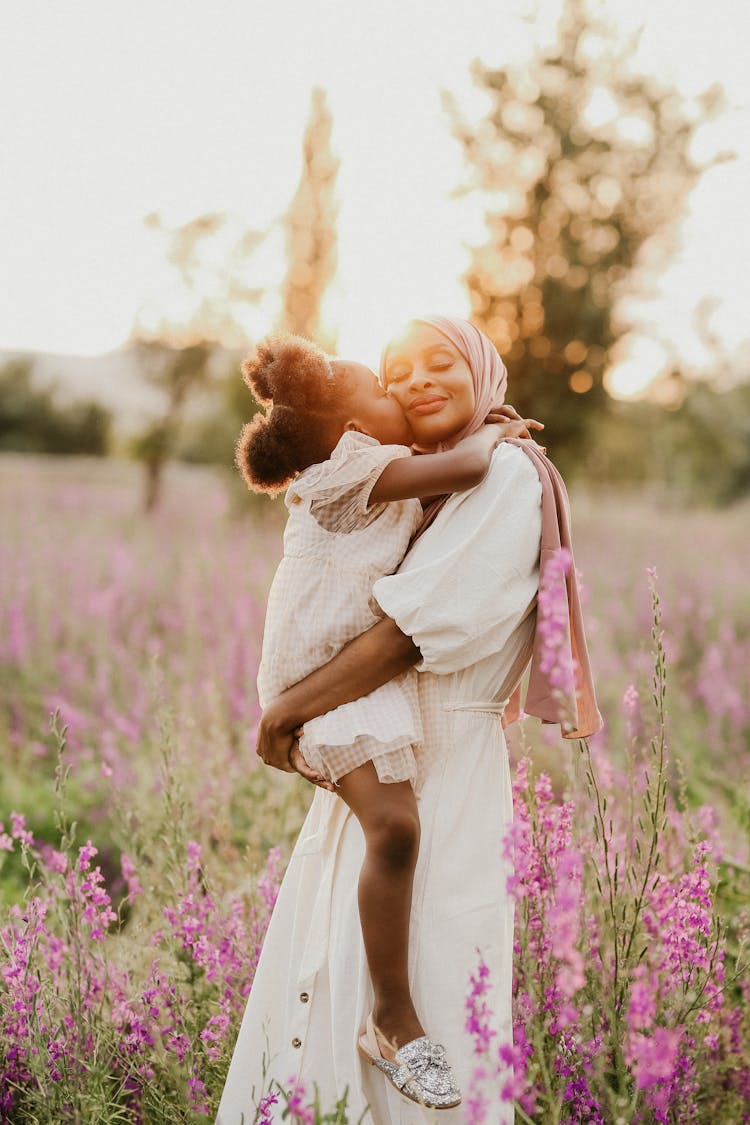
{"x": 615, "y": 1036}
{"x": 658, "y": 745}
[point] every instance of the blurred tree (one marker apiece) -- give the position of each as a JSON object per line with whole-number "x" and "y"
{"x": 587, "y": 166}
{"x": 311, "y": 230}
{"x": 179, "y": 372}
{"x": 210, "y": 436}
{"x": 33, "y": 421}
{"x": 712, "y": 446}
{"x": 698, "y": 449}
{"x": 211, "y": 266}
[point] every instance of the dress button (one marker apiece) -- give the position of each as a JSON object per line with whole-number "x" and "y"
{"x": 296, "y": 1042}
{"x": 304, "y": 997}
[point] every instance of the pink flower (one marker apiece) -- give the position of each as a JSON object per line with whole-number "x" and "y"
{"x": 654, "y": 1057}
{"x": 296, "y": 1094}
{"x": 643, "y": 998}
{"x": 56, "y": 861}
{"x": 129, "y": 875}
{"x": 198, "y": 1095}
{"x": 18, "y": 829}
{"x": 631, "y": 700}
{"x": 193, "y": 855}
{"x": 85, "y": 854}
{"x": 268, "y": 883}
{"x": 553, "y": 626}
{"x": 266, "y": 1104}
{"x": 214, "y": 1034}
{"x": 478, "y": 1017}
{"x": 564, "y": 918}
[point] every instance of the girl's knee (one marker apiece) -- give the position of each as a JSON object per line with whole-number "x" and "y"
{"x": 395, "y": 838}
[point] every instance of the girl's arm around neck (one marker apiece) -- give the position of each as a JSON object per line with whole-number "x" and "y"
{"x": 433, "y": 474}
{"x": 455, "y": 470}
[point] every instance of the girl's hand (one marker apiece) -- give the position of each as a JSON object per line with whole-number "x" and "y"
{"x": 520, "y": 429}
{"x": 298, "y": 763}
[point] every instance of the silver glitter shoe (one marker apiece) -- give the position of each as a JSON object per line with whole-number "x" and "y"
{"x": 420, "y": 1071}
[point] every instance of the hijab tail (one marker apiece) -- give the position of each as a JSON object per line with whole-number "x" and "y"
{"x": 576, "y": 710}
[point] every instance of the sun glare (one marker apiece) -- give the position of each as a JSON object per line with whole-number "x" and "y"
{"x": 643, "y": 360}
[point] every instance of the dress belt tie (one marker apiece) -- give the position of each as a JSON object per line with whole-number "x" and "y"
{"x": 490, "y": 706}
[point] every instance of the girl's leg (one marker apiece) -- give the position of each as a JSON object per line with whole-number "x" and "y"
{"x": 390, "y": 821}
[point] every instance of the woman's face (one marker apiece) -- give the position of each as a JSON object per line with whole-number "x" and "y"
{"x": 432, "y": 382}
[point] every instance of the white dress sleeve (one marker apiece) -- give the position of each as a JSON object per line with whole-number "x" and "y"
{"x": 473, "y": 576}
{"x": 338, "y": 490}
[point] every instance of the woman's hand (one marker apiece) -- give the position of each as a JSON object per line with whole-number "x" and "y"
{"x": 511, "y": 423}
{"x": 278, "y": 746}
{"x": 275, "y": 739}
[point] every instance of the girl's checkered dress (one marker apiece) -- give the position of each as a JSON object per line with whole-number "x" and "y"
{"x": 335, "y": 547}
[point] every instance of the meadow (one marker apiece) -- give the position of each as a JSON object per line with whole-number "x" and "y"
{"x": 141, "y": 843}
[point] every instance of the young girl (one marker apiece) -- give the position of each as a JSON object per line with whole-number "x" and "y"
{"x": 340, "y": 444}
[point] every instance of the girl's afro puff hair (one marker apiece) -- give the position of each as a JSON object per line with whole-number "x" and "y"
{"x": 289, "y": 370}
{"x": 293, "y": 379}
{"x": 265, "y": 453}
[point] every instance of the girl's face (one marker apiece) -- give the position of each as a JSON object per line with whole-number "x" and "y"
{"x": 370, "y": 409}
{"x": 430, "y": 379}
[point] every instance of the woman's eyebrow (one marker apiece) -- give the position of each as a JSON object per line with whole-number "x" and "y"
{"x": 433, "y": 348}
{"x": 428, "y": 350}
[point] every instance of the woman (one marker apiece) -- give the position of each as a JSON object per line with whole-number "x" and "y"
{"x": 462, "y": 609}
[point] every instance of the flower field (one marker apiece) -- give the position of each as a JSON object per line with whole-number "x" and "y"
{"x": 141, "y": 844}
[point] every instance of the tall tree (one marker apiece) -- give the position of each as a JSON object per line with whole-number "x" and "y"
{"x": 310, "y": 224}
{"x": 586, "y": 165}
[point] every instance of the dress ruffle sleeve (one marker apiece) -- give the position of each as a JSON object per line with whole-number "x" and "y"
{"x": 338, "y": 490}
{"x": 465, "y": 585}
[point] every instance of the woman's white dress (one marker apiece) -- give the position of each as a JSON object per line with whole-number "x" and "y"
{"x": 466, "y": 593}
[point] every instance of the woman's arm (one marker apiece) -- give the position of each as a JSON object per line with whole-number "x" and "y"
{"x": 455, "y": 470}
{"x": 366, "y": 663}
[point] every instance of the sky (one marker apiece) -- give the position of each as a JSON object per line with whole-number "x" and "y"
{"x": 110, "y": 112}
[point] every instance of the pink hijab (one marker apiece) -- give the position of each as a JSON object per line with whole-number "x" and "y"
{"x": 576, "y": 709}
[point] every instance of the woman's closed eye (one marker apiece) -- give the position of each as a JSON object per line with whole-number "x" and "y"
{"x": 399, "y": 375}
{"x": 439, "y": 359}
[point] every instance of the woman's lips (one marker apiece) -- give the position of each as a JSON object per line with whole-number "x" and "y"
{"x": 429, "y": 404}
